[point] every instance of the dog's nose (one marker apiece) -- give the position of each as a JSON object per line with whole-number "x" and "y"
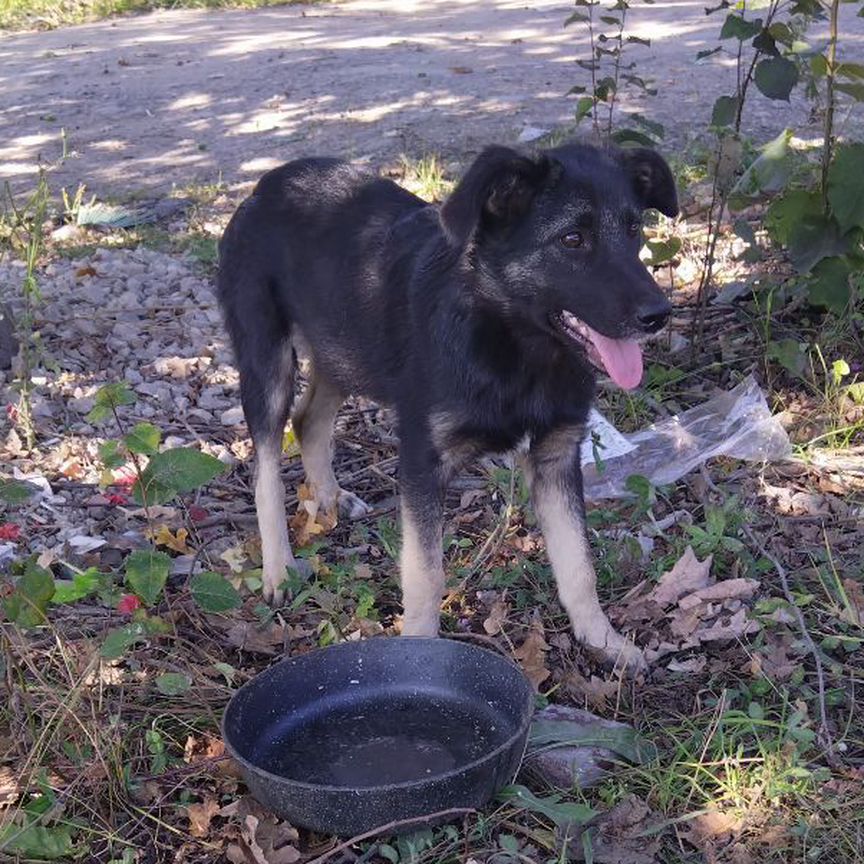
{"x": 653, "y": 317}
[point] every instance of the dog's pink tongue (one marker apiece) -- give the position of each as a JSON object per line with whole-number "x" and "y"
{"x": 621, "y": 357}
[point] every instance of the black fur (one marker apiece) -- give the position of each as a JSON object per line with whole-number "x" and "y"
{"x": 445, "y": 314}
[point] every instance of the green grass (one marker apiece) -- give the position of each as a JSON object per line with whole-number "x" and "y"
{"x": 48, "y": 14}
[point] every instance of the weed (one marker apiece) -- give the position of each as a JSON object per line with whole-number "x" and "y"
{"x": 23, "y": 227}
{"x": 426, "y": 177}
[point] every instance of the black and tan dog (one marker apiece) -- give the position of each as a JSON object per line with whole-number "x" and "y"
{"x": 481, "y": 322}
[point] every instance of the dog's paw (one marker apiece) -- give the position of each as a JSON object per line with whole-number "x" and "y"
{"x": 352, "y": 507}
{"x": 616, "y": 652}
{"x": 273, "y": 580}
{"x": 271, "y": 588}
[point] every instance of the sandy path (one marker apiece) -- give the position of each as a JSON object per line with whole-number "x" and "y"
{"x": 175, "y": 97}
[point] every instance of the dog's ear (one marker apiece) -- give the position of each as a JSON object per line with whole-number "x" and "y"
{"x": 651, "y": 178}
{"x": 497, "y": 189}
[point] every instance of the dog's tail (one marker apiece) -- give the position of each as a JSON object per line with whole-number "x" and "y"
{"x": 258, "y": 325}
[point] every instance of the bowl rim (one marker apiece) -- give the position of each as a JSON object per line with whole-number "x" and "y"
{"x": 521, "y": 731}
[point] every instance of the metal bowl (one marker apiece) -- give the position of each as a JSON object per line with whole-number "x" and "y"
{"x": 351, "y": 737}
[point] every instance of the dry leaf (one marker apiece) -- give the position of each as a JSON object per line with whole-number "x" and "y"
{"x": 711, "y": 825}
{"x": 249, "y": 637}
{"x": 198, "y": 749}
{"x": 310, "y": 521}
{"x": 732, "y": 627}
{"x": 775, "y": 836}
{"x": 9, "y": 787}
{"x": 470, "y": 497}
{"x": 200, "y": 816}
{"x": 164, "y": 536}
{"x": 81, "y": 272}
{"x": 688, "y": 575}
{"x": 235, "y": 557}
{"x": 532, "y": 654}
{"x": 275, "y": 840}
{"x": 693, "y": 665}
{"x": 497, "y": 616}
{"x": 684, "y": 622}
{"x": 726, "y": 590}
{"x": 774, "y": 661}
{"x": 598, "y": 692}
{"x": 625, "y": 835}
{"x": 740, "y": 854}
{"x": 854, "y": 612}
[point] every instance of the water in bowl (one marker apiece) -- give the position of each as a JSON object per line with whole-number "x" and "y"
{"x": 377, "y": 742}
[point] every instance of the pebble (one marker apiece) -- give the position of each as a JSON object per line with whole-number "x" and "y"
{"x": 232, "y": 417}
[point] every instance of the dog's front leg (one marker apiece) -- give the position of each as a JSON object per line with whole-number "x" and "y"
{"x": 555, "y": 478}
{"x": 421, "y": 487}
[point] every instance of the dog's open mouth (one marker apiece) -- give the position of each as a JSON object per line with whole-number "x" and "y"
{"x": 621, "y": 359}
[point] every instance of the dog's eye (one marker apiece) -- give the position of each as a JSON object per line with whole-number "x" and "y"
{"x": 573, "y": 240}
{"x": 634, "y": 227}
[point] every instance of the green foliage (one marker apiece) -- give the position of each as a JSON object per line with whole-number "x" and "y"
{"x": 213, "y": 592}
{"x": 776, "y": 77}
{"x": 146, "y": 574}
{"x": 28, "y": 602}
{"x": 662, "y": 251}
{"x": 143, "y": 439}
{"x": 39, "y": 842}
{"x": 109, "y": 398}
{"x": 83, "y": 584}
{"x": 111, "y": 454}
{"x": 173, "y": 683}
{"x": 13, "y": 493}
{"x": 563, "y": 813}
{"x": 174, "y": 471}
{"x": 564, "y": 733}
{"x": 118, "y": 641}
{"x": 791, "y": 354}
{"x": 608, "y": 73}
{"x": 846, "y": 187}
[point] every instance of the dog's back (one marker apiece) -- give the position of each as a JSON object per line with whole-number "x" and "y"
{"x": 320, "y": 252}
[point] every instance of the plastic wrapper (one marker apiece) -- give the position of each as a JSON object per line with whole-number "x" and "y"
{"x": 737, "y": 424}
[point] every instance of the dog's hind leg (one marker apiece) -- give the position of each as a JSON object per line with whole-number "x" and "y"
{"x": 266, "y": 391}
{"x": 555, "y": 478}
{"x": 313, "y": 424}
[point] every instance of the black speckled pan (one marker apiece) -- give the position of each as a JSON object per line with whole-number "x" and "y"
{"x": 354, "y": 736}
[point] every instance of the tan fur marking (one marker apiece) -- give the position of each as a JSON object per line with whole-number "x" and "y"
{"x": 422, "y": 580}
{"x": 272, "y": 524}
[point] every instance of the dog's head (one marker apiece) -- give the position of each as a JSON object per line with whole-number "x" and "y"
{"x": 553, "y": 242}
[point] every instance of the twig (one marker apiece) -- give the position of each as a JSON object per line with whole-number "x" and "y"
{"x": 824, "y": 734}
{"x": 389, "y": 827}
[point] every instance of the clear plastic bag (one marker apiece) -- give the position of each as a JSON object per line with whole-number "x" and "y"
{"x": 738, "y": 424}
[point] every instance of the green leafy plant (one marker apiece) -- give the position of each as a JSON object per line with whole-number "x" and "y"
{"x": 24, "y": 226}
{"x": 166, "y": 474}
{"x": 815, "y": 215}
{"x": 611, "y": 72}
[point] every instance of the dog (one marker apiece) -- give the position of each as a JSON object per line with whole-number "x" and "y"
{"x": 482, "y": 322}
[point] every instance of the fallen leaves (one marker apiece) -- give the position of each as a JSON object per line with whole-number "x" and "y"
{"x": 260, "y": 837}
{"x": 531, "y": 654}
{"x": 310, "y": 520}
{"x": 687, "y": 608}
{"x": 688, "y": 574}
{"x": 163, "y": 536}
{"x": 494, "y": 623}
{"x": 200, "y": 816}
{"x": 626, "y": 834}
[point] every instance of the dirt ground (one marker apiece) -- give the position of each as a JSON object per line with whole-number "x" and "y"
{"x": 178, "y": 97}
